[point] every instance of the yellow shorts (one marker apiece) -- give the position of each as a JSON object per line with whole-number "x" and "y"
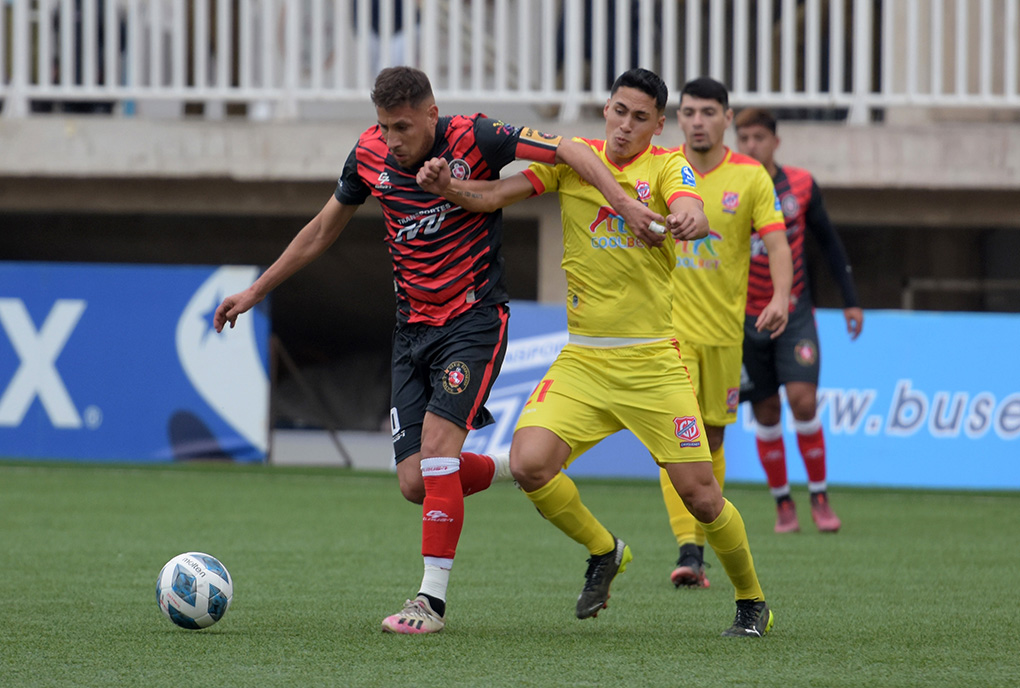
{"x": 715, "y": 374}
{"x": 589, "y": 393}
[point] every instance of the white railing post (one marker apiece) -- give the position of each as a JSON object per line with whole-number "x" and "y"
{"x": 764, "y": 57}
{"x": 16, "y": 102}
{"x": 787, "y": 48}
{"x": 1009, "y": 65}
{"x": 292, "y": 59}
{"x": 717, "y": 47}
{"x": 862, "y": 62}
{"x": 573, "y": 21}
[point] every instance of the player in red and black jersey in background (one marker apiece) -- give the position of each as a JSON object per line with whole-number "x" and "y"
{"x": 792, "y": 359}
{"x": 451, "y": 331}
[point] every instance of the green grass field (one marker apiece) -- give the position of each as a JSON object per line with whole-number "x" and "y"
{"x": 919, "y": 588}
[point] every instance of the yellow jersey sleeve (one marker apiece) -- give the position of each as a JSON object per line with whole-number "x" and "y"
{"x": 544, "y": 178}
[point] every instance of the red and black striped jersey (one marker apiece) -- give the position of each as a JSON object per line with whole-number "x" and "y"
{"x": 803, "y": 210}
{"x": 446, "y": 260}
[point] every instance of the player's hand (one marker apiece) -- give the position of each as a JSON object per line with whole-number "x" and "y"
{"x": 854, "y": 321}
{"x": 233, "y": 306}
{"x": 434, "y": 176}
{"x": 683, "y": 226}
{"x": 774, "y": 317}
{"x": 639, "y": 217}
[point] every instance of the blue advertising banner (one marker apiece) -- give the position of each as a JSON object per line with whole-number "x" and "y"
{"x": 121, "y": 363}
{"x": 919, "y": 400}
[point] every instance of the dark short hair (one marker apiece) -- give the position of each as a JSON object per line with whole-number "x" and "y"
{"x": 707, "y": 88}
{"x": 750, "y": 117}
{"x": 397, "y": 86}
{"x": 644, "y": 80}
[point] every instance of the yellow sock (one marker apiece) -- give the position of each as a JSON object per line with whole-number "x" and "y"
{"x": 684, "y": 526}
{"x": 560, "y": 502}
{"x": 728, "y": 539}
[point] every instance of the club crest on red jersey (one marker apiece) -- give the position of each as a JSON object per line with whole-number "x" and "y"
{"x": 460, "y": 169}
{"x": 456, "y": 377}
{"x": 791, "y": 206}
{"x": 688, "y": 431}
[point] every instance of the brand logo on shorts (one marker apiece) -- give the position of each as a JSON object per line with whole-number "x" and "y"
{"x": 456, "y": 377}
{"x": 732, "y": 399}
{"x": 459, "y": 169}
{"x": 805, "y": 352}
{"x": 687, "y": 430}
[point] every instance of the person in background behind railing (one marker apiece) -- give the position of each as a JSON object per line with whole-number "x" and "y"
{"x": 397, "y": 54}
{"x": 451, "y": 332}
{"x": 606, "y": 43}
{"x": 106, "y": 75}
{"x": 793, "y": 359}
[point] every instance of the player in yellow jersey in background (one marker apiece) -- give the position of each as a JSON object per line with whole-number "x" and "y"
{"x": 621, "y": 367}
{"x": 710, "y": 289}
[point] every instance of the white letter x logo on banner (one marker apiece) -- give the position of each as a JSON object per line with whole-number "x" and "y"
{"x": 37, "y": 374}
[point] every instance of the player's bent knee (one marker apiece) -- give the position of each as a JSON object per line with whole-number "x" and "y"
{"x": 412, "y": 485}
{"x": 413, "y": 493}
{"x": 531, "y": 474}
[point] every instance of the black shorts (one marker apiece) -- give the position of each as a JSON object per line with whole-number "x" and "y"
{"x": 794, "y": 356}
{"x": 446, "y": 370}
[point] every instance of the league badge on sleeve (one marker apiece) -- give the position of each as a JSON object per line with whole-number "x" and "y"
{"x": 687, "y": 176}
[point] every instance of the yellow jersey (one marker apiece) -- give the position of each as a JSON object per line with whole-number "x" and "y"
{"x": 710, "y": 280}
{"x": 616, "y": 285}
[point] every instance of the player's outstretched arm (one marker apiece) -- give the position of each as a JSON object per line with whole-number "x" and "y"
{"x": 776, "y": 314}
{"x": 635, "y": 214}
{"x": 686, "y": 220}
{"x": 476, "y": 196}
{"x": 313, "y": 239}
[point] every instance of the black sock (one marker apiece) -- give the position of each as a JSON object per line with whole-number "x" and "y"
{"x": 438, "y": 605}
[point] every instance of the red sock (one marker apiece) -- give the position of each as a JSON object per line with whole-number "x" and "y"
{"x": 476, "y": 471}
{"x": 443, "y": 510}
{"x": 812, "y": 449}
{"x": 772, "y": 454}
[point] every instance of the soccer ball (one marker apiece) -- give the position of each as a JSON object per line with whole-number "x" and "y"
{"x": 194, "y": 590}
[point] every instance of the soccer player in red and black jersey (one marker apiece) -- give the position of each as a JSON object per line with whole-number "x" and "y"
{"x": 793, "y": 358}
{"x": 451, "y": 331}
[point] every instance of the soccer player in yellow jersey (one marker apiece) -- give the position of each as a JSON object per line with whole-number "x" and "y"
{"x": 621, "y": 367}
{"x": 710, "y": 288}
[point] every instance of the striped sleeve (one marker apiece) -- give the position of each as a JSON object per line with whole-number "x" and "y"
{"x": 767, "y": 212}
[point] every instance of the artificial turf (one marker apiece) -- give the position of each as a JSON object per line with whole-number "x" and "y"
{"x": 917, "y": 589}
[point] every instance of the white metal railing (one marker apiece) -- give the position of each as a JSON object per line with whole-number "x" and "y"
{"x": 279, "y": 55}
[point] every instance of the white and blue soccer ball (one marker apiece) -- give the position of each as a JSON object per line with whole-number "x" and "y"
{"x": 194, "y": 590}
